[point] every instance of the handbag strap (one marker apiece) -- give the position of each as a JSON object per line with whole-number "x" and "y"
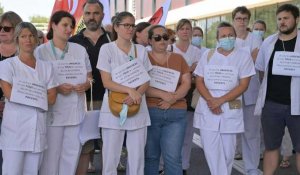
{"x": 210, "y": 54}
{"x": 91, "y": 102}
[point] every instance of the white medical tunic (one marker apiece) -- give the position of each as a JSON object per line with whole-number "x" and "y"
{"x": 230, "y": 121}
{"x": 250, "y": 43}
{"x": 24, "y": 127}
{"x": 68, "y": 109}
{"x": 110, "y": 57}
{"x": 192, "y": 54}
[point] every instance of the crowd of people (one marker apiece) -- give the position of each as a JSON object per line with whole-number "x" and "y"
{"x": 143, "y": 78}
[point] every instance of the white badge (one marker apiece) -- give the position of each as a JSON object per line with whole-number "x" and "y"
{"x": 220, "y": 77}
{"x": 286, "y": 63}
{"x": 131, "y": 74}
{"x": 72, "y": 71}
{"x": 164, "y": 78}
{"x": 29, "y": 92}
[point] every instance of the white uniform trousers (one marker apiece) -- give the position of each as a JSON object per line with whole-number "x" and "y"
{"x": 112, "y": 146}
{"x": 219, "y": 149}
{"x": 188, "y": 139}
{"x": 63, "y": 151}
{"x": 251, "y": 140}
{"x": 20, "y": 162}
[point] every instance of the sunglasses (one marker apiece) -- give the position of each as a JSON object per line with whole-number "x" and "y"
{"x": 159, "y": 37}
{"x": 5, "y": 28}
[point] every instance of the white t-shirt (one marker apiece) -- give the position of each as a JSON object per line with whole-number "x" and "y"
{"x": 110, "y": 57}
{"x": 250, "y": 43}
{"x": 24, "y": 127}
{"x": 192, "y": 55}
{"x": 230, "y": 121}
{"x": 74, "y": 102}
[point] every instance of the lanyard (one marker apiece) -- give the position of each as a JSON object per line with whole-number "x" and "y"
{"x": 54, "y": 52}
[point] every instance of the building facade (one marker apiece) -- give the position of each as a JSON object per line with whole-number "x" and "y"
{"x": 206, "y": 14}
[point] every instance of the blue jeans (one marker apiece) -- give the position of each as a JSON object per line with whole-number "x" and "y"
{"x": 165, "y": 137}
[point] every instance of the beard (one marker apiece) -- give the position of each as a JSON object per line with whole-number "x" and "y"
{"x": 92, "y": 25}
{"x": 289, "y": 30}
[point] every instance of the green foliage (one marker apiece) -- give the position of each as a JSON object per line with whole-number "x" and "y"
{"x": 1, "y": 9}
{"x": 39, "y": 19}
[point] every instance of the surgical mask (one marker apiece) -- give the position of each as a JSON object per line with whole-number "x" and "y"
{"x": 197, "y": 40}
{"x": 227, "y": 43}
{"x": 258, "y": 33}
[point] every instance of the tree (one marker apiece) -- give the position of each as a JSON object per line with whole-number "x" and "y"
{"x": 38, "y": 19}
{"x": 1, "y": 9}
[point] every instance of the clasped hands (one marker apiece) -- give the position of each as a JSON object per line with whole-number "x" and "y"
{"x": 214, "y": 104}
{"x": 167, "y": 100}
{"x": 66, "y": 88}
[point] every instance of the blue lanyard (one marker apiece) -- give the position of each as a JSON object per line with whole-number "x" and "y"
{"x": 54, "y": 52}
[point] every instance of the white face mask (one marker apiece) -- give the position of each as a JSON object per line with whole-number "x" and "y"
{"x": 258, "y": 33}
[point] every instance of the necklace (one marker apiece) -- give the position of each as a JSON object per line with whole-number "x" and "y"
{"x": 283, "y": 45}
{"x": 54, "y": 51}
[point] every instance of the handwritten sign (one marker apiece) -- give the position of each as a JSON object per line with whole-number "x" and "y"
{"x": 164, "y": 78}
{"x": 220, "y": 77}
{"x": 131, "y": 74}
{"x": 70, "y": 71}
{"x": 29, "y": 92}
{"x": 286, "y": 63}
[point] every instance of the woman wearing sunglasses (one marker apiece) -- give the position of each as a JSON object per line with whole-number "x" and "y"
{"x": 112, "y": 57}
{"x": 66, "y": 115}
{"x": 8, "y": 22}
{"x": 167, "y": 108}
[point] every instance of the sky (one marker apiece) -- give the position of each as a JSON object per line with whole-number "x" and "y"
{"x": 27, "y": 8}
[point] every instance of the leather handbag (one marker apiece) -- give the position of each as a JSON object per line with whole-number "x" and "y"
{"x": 115, "y": 100}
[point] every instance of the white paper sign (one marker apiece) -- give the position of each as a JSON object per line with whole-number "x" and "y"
{"x": 286, "y": 63}
{"x": 29, "y": 92}
{"x": 164, "y": 78}
{"x": 131, "y": 74}
{"x": 70, "y": 71}
{"x": 220, "y": 77}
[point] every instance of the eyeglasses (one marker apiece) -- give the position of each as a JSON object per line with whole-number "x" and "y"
{"x": 6, "y": 28}
{"x": 128, "y": 26}
{"x": 241, "y": 19}
{"x": 159, "y": 37}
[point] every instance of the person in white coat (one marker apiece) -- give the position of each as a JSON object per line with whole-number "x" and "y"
{"x": 191, "y": 54}
{"x": 111, "y": 57}
{"x": 250, "y": 139}
{"x": 222, "y": 75}
{"x": 23, "y": 130}
{"x": 278, "y": 102}
{"x": 65, "y": 116}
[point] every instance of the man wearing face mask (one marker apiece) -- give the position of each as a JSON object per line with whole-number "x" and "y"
{"x": 222, "y": 75}
{"x": 259, "y": 28}
{"x": 92, "y": 38}
{"x": 250, "y": 139}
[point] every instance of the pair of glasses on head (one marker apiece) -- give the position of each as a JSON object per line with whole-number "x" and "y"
{"x": 128, "y": 26}
{"x": 5, "y": 28}
{"x": 159, "y": 37}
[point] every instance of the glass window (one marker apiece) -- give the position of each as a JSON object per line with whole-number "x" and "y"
{"x": 211, "y": 29}
{"x": 267, "y": 13}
